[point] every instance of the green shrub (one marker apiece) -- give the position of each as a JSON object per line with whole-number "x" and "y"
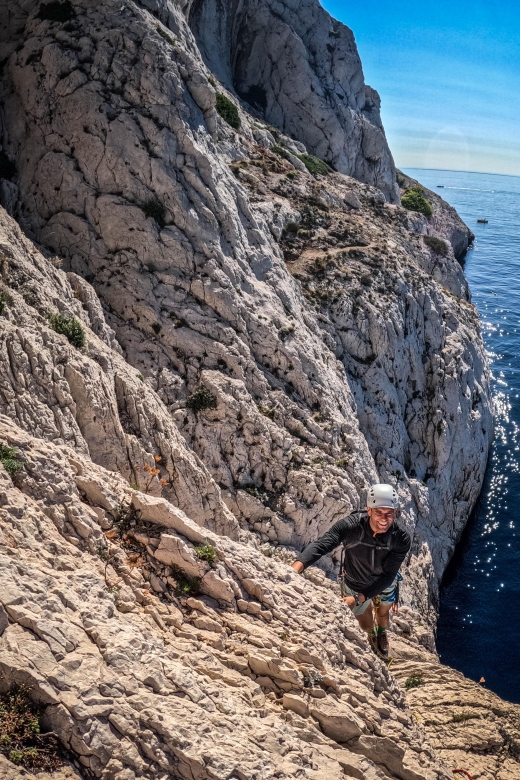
{"x": 280, "y": 151}
{"x": 201, "y": 398}
{"x": 291, "y": 228}
{"x": 227, "y": 110}
{"x": 414, "y": 200}
{"x": 286, "y": 331}
{"x": 185, "y": 585}
{"x": 266, "y": 411}
{"x": 10, "y": 460}
{"x": 20, "y": 738}
{"x": 400, "y": 179}
{"x": 165, "y": 36}
{"x": 5, "y": 301}
{"x": 314, "y": 165}
{"x": 437, "y": 245}
{"x": 462, "y": 717}
{"x": 155, "y": 210}
{"x": 415, "y": 681}
{"x": 206, "y": 552}
{"x": 69, "y": 327}
{"x": 57, "y": 11}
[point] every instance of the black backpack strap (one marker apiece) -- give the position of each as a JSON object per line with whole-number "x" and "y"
{"x": 347, "y": 546}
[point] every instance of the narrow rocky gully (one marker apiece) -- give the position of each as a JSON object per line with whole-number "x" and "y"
{"x": 218, "y": 327}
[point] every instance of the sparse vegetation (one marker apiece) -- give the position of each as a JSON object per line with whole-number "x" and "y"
{"x": 206, "y": 552}
{"x": 227, "y": 110}
{"x": 266, "y": 411}
{"x": 280, "y": 151}
{"x": 21, "y": 740}
{"x": 186, "y": 585}
{"x": 56, "y": 11}
{"x": 5, "y": 301}
{"x": 154, "y": 209}
{"x": 314, "y": 165}
{"x": 69, "y": 327}
{"x": 10, "y": 460}
{"x": 415, "y": 681}
{"x": 400, "y": 179}
{"x": 202, "y": 398}
{"x": 437, "y": 245}
{"x": 414, "y": 200}
{"x": 165, "y": 36}
{"x": 461, "y": 717}
{"x": 312, "y": 678}
{"x": 285, "y": 332}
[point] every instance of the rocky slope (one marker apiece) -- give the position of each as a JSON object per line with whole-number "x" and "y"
{"x": 261, "y": 343}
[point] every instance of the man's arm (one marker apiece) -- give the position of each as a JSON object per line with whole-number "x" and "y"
{"x": 339, "y": 532}
{"x": 390, "y": 568}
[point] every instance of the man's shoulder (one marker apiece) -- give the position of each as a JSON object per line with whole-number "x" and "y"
{"x": 356, "y": 518}
{"x": 401, "y": 537}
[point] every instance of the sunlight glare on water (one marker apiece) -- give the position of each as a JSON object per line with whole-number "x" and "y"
{"x": 478, "y": 631}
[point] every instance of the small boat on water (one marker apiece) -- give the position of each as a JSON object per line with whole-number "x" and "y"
{"x": 483, "y": 221}
{"x": 440, "y": 186}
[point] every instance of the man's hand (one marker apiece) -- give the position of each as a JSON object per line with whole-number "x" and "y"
{"x": 361, "y": 598}
{"x": 298, "y": 566}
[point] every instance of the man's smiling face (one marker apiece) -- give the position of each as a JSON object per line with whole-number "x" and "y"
{"x": 381, "y": 518}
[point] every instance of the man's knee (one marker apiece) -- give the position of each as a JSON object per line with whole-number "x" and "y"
{"x": 350, "y": 600}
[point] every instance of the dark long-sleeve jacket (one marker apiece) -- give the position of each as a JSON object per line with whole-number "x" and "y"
{"x": 371, "y": 562}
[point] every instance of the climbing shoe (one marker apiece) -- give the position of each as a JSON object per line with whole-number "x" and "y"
{"x": 382, "y": 643}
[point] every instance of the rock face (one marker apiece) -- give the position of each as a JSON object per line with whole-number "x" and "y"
{"x": 444, "y": 220}
{"x": 469, "y": 727}
{"x": 247, "y": 680}
{"x": 301, "y": 71}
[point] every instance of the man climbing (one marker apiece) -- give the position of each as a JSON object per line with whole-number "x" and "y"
{"x": 374, "y": 548}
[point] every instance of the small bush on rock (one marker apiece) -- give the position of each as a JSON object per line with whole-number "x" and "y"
{"x": 69, "y": 327}
{"x": 165, "y": 36}
{"x": 227, "y": 110}
{"x": 10, "y": 460}
{"x": 20, "y": 738}
{"x": 206, "y": 552}
{"x": 314, "y": 165}
{"x": 201, "y": 398}
{"x": 437, "y": 245}
{"x": 414, "y": 200}
{"x": 186, "y": 585}
{"x": 56, "y": 11}
{"x": 155, "y": 210}
{"x": 415, "y": 681}
{"x": 5, "y": 301}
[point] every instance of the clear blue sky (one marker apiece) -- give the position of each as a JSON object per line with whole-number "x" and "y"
{"x": 449, "y": 78}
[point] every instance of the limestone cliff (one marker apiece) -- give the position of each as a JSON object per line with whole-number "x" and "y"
{"x": 264, "y": 337}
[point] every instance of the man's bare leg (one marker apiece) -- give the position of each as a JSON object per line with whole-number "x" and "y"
{"x": 383, "y": 615}
{"x": 366, "y": 619}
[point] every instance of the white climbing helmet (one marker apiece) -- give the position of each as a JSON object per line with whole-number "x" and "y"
{"x": 383, "y": 496}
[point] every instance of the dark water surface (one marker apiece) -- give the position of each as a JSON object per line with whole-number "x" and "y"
{"x": 479, "y": 627}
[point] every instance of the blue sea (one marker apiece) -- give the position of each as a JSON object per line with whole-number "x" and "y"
{"x": 479, "y": 627}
